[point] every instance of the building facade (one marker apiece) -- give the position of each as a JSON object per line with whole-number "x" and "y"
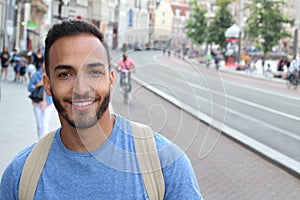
{"x": 163, "y": 24}
{"x": 2, "y": 23}
{"x": 181, "y": 14}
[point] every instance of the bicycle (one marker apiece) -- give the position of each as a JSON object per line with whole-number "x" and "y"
{"x": 293, "y": 79}
{"x": 125, "y": 85}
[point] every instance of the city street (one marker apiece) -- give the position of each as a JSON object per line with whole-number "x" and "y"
{"x": 255, "y": 112}
{"x": 225, "y": 169}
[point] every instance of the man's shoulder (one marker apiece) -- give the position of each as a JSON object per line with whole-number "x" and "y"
{"x": 167, "y": 150}
{"x": 169, "y": 153}
{"x": 18, "y": 161}
{"x": 12, "y": 173}
{"x": 130, "y": 60}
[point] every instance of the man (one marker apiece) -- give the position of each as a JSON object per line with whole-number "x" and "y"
{"x": 123, "y": 65}
{"x": 293, "y": 71}
{"x": 92, "y": 154}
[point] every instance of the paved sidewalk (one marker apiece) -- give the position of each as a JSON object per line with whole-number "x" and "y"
{"x": 17, "y": 120}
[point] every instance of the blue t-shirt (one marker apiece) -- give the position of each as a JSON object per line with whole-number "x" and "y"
{"x": 109, "y": 172}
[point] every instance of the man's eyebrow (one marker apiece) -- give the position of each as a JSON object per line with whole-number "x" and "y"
{"x": 96, "y": 64}
{"x": 58, "y": 67}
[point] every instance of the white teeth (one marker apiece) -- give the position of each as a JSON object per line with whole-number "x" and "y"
{"x": 86, "y": 103}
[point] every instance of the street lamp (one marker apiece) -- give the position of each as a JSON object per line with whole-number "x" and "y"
{"x": 241, "y": 29}
{"x": 295, "y": 46}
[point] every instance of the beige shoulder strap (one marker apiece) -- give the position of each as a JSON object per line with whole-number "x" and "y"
{"x": 148, "y": 161}
{"x": 147, "y": 156}
{"x": 33, "y": 167}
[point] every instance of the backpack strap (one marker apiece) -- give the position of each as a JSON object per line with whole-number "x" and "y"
{"x": 146, "y": 152}
{"x": 148, "y": 161}
{"x": 33, "y": 167}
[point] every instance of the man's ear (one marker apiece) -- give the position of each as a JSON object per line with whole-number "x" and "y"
{"x": 47, "y": 85}
{"x": 111, "y": 80}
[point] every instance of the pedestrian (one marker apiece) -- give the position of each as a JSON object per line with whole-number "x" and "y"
{"x": 38, "y": 58}
{"x": 15, "y": 59}
{"x": 93, "y": 154}
{"x": 263, "y": 65}
{"x": 169, "y": 52}
{"x": 31, "y": 66}
{"x": 248, "y": 64}
{"x": 42, "y": 109}
{"x": 280, "y": 64}
{"x": 22, "y": 69}
{"x": 216, "y": 59}
{"x": 269, "y": 70}
{"x": 208, "y": 59}
{"x": 5, "y": 57}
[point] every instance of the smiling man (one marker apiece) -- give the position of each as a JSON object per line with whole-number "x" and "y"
{"x": 94, "y": 154}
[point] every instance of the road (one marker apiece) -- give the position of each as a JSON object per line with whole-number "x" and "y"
{"x": 224, "y": 168}
{"x": 266, "y": 113}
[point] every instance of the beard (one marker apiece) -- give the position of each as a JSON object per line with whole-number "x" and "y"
{"x": 81, "y": 119}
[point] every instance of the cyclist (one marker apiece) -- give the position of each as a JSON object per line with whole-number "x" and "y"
{"x": 293, "y": 70}
{"x": 124, "y": 65}
{"x": 209, "y": 58}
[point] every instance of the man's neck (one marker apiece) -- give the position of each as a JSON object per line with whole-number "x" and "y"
{"x": 86, "y": 140}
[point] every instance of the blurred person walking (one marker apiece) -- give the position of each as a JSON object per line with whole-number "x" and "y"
{"x": 38, "y": 58}
{"x": 22, "y": 69}
{"x": 216, "y": 59}
{"x": 42, "y": 109}
{"x": 16, "y": 60}
{"x": 208, "y": 59}
{"x": 31, "y": 66}
{"x": 5, "y": 57}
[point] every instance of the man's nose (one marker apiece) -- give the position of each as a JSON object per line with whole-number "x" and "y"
{"x": 81, "y": 84}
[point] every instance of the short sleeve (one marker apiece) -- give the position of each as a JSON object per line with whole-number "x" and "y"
{"x": 180, "y": 180}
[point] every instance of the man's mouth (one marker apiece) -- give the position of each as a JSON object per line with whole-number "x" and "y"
{"x": 82, "y": 105}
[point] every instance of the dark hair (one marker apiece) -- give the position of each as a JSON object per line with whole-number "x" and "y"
{"x": 71, "y": 27}
{"x": 124, "y": 56}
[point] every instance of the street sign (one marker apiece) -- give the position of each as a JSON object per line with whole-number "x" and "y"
{"x": 31, "y": 25}
{"x": 130, "y": 23}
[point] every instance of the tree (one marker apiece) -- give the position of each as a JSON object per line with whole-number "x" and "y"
{"x": 197, "y": 24}
{"x": 220, "y": 23}
{"x": 265, "y": 27}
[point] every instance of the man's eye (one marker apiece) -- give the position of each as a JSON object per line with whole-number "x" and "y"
{"x": 64, "y": 75}
{"x": 96, "y": 72}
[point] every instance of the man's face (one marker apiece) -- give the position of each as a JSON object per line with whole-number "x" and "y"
{"x": 79, "y": 79}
